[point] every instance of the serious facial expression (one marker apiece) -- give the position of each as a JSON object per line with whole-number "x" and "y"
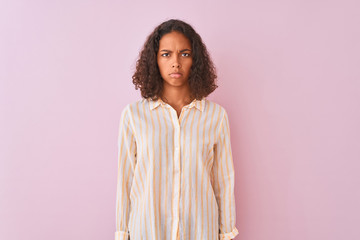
{"x": 174, "y": 58}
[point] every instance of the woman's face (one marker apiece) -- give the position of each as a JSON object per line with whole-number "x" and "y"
{"x": 174, "y": 58}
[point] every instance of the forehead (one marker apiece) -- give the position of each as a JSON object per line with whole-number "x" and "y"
{"x": 174, "y": 39}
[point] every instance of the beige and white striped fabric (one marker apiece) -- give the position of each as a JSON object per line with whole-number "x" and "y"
{"x": 175, "y": 174}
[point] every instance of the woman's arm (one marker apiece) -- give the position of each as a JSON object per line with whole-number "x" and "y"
{"x": 223, "y": 179}
{"x": 125, "y": 172}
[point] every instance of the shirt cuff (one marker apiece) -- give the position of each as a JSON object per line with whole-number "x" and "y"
{"x": 229, "y": 235}
{"x": 121, "y": 235}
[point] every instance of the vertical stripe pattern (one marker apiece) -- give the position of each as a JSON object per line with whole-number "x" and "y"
{"x": 175, "y": 175}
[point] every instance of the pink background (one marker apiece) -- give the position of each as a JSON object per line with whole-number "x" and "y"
{"x": 289, "y": 78}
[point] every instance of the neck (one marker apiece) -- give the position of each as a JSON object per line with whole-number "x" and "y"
{"x": 176, "y": 96}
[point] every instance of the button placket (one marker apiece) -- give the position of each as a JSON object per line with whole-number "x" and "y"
{"x": 177, "y": 168}
{"x": 177, "y": 172}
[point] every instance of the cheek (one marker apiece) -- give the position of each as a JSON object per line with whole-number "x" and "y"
{"x": 162, "y": 69}
{"x": 160, "y": 65}
{"x": 188, "y": 65}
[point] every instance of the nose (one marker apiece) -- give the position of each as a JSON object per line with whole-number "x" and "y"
{"x": 176, "y": 63}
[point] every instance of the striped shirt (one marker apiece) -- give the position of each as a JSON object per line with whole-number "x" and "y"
{"x": 175, "y": 174}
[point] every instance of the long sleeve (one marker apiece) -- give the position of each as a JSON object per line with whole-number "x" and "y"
{"x": 223, "y": 181}
{"x": 125, "y": 172}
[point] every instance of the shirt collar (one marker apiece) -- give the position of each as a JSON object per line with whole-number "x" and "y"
{"x": 199, "y": 104}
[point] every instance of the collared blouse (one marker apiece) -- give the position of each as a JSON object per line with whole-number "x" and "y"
{"x": 175, "y": 174}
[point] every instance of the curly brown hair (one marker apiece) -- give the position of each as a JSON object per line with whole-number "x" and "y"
{"x": 202, "y": 78}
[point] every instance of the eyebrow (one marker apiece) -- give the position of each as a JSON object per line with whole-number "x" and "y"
{"x": 165, "y": 50}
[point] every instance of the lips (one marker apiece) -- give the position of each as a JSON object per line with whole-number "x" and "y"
{"x": 175, "y": 75}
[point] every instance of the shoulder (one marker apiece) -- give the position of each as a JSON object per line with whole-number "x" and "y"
{"x": 216, "y": 107}
{"x": 133, "y": 106}
{"x": 127, "y": 113}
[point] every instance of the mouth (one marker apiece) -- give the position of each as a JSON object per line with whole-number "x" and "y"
{"x": 175, "y": 75}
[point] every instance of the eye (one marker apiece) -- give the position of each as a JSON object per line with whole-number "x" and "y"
{"x": 165, "y": 54}
{"x": 186, "y": 54}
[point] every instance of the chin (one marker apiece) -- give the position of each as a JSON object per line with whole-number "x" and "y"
{"x": 176, "y": 82}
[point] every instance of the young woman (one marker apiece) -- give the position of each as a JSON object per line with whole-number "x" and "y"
{"x": 175, "y": 167}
